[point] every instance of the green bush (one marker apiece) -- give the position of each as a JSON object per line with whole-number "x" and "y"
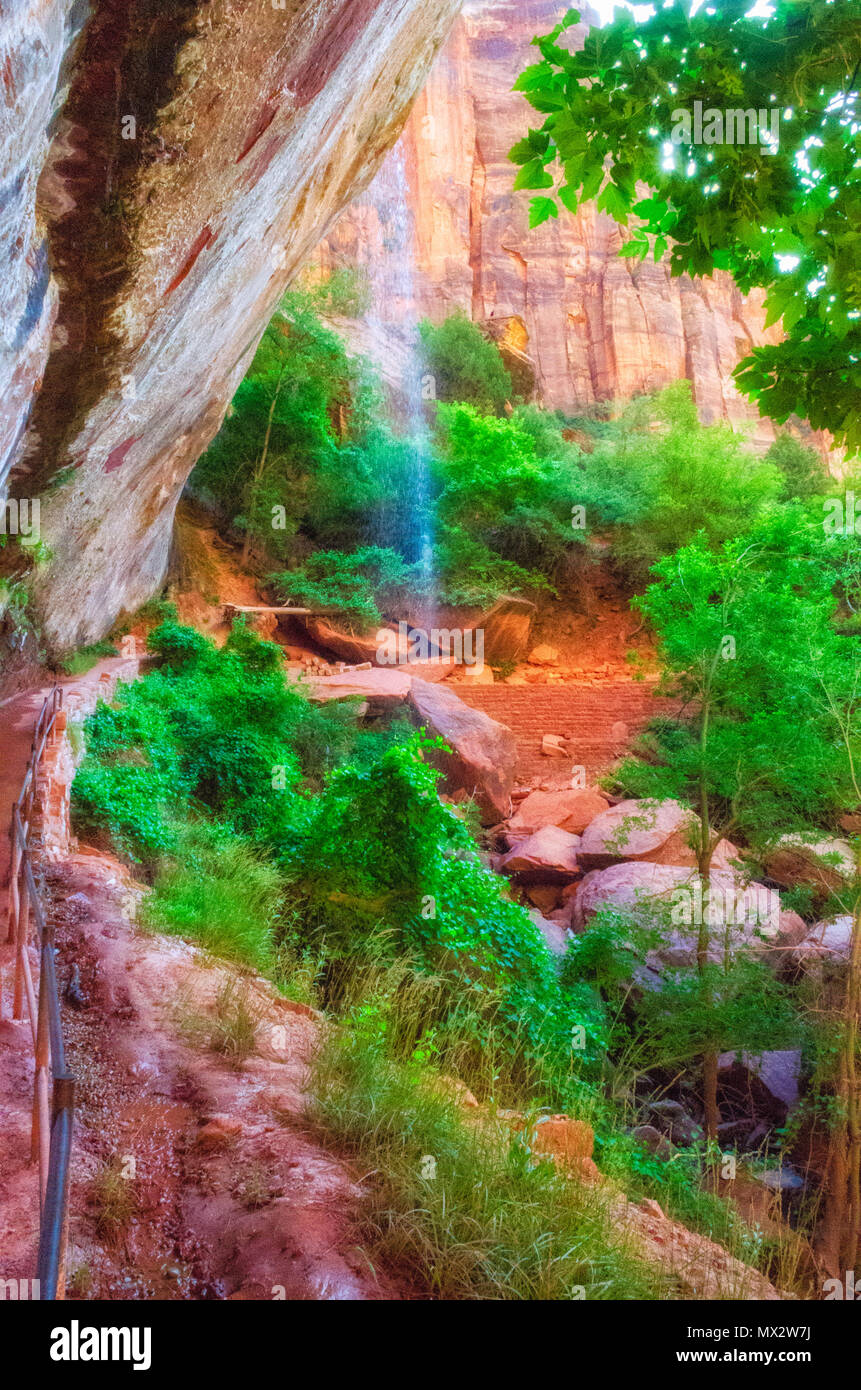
{"x": 353, "y": 587}
{"x": 464, "y": 365}
{"x": 221, "y": 729}
{"x": 504, "y": 510}
{"x": 661, "y": 477}
{"x": 802, "y": 469}
{"x": 378, "y": 850}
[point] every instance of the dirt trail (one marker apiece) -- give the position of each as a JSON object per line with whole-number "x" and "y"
{"x": 192, "y": 1177}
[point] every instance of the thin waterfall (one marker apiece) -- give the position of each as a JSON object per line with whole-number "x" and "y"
{"x": 392, "y": 326}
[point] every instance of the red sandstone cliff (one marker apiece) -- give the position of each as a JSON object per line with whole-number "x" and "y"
{"x": 595, "y": 326}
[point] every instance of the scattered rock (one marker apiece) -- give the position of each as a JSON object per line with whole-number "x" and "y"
{"x": 475, "y": 675}
{"x": 550, "y": 852}
{"x": 654, "y": 1141}
{"x": 781, "y": 1180}
{"x": 554, "y": 746}
{"x": 562, "y": 1137}
{"x": 793, "y": 863}
{"x": 777, "y": 1073}
{"x": 483, "y": 753}
{"x": 676, "y": 1123}
{"x": 543, "y": 655}
{"x": 544, "y": 896}
{"x": 219, "y": 1132}
{"x": 556, "y": 937}
{"x": 570, "y": 810}
{"x": 827, "y": 944}
{"x": 506, "y": 629}
{"x": 73, "y": 994}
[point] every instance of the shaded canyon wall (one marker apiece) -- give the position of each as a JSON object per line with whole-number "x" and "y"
{"x": 167, "y": 166}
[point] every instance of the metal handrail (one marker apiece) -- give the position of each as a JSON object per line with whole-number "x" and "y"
{"x": 52, "y": 1116}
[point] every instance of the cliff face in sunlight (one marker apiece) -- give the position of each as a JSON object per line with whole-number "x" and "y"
{"x": 167, "y": 166}
{"x": 594, "y": 326}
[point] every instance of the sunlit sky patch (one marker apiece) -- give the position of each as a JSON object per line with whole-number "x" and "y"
{"x": 605, "y": 8}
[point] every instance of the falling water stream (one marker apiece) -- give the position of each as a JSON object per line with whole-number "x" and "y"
{"x": 392, "y": 324}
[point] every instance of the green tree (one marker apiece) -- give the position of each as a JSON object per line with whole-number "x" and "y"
{"x": 464, "y": 365}
{"x": 781, "y": 211}
{"x": 501, "y": 507}
{"x": 802, "y": 468}
{"x": 735, "y": 628}
{"x": 681, "y": 478}
{"x": 301, "y": 397}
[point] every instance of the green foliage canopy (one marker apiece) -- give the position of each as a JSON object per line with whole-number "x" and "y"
{"x": 786, "y": 219}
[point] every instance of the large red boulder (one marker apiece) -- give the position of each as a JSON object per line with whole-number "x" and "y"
{"x": 483, "y": 753}
{"x": 550, "y": 855}
{"x": 570, "y": 809}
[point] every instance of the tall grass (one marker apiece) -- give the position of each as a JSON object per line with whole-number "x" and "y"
{"x": 219, "y": 892}
{"x": 457, "y": 1206}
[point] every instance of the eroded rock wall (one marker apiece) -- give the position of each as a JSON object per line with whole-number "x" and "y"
{"x": 168, "y": 166}
{"x": 596, "y": 327}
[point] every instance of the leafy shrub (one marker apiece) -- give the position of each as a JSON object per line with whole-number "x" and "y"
{"x": 355, "y": 587}
{"x": 464, "y": 365}
{"x": 660, "y": 477}
{"x": 504, "y": 510}
{"x": 217, "y": 728}
{"x": 802, "y": 469}
{"x": 378, "y": 848}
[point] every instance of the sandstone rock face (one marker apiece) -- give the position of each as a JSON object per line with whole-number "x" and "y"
{"x": 484, "y": 752}
{"x": 592, "y": 327}
{"x": 168, "y": 168}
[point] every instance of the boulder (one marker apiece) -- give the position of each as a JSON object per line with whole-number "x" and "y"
{"x": 777, "y": 1073}
{"x": 675, "y": 1122}
{"x": 654, "y": 1141}
{"x": 794, "y": 862}
{"x": 569, "y": 809}
{"x": 561, "y": 1137}
{"x": 549, "y": 854}
{"x": 556, "y": 937}
{"x": 506, "y": 629}
{"x": 554, "y": 746}
{"x": 672, "y": 897}
{"x": 826, "y": 944}
{"x": 543, "y": 655}
{"x": 483, "y": 752}
{"x": 384, "y": 688}
{"x": 544, "y": 896}
{"x": 655, "y": 831}
{"x": 474, "y": 675}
